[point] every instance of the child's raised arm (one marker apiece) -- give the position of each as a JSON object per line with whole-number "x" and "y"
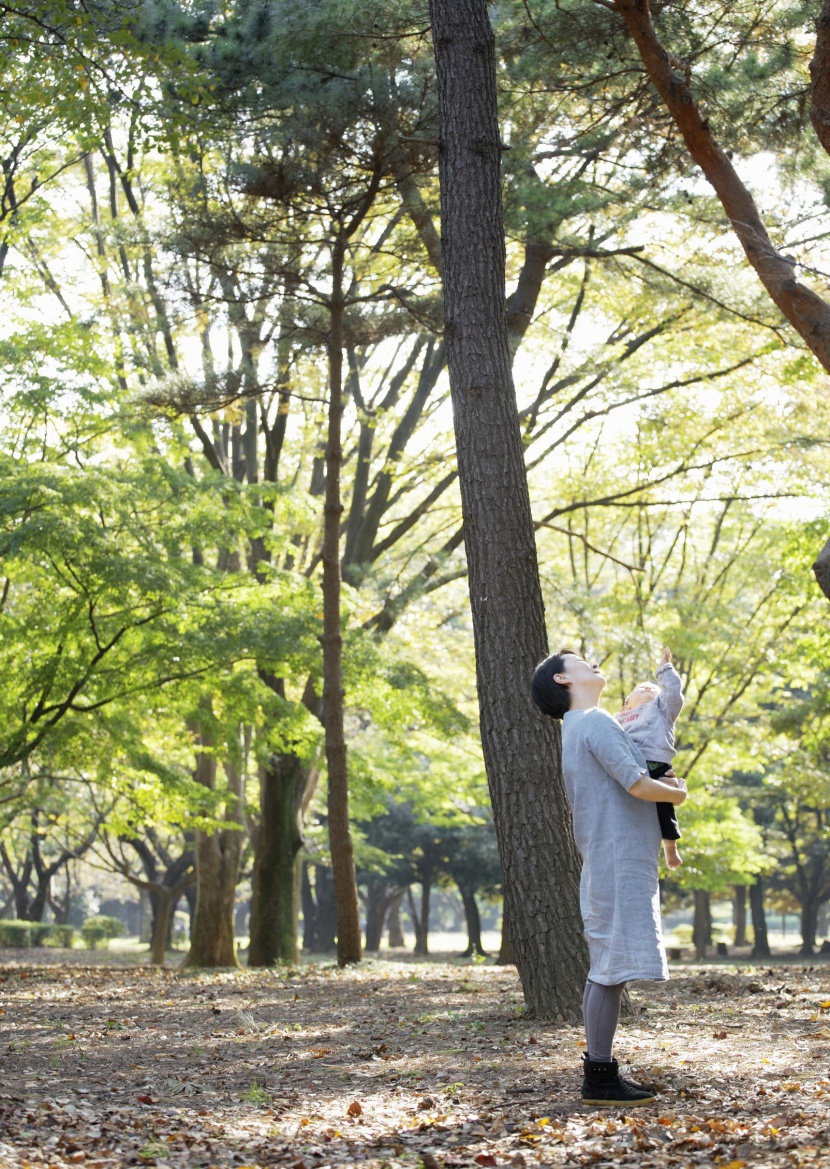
{"x": 671, "y": 686}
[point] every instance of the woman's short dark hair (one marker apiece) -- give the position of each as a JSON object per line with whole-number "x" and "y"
{"x": 551, "y": 696}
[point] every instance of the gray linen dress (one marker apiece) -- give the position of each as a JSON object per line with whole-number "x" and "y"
{"x": 618, "y": 836}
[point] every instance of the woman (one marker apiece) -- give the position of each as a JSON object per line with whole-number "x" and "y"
{"x": 618, "y": 835}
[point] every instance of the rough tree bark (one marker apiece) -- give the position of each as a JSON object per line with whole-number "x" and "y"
{"x": 521, "y": 749}
{"x": 340, "y": 833}
{"x": 506, "y": 956}
{"x": 274, "y": 892}
{"x": 217, "y": 869}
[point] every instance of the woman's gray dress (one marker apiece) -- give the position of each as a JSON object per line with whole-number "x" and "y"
{"x": 618, "y": 836}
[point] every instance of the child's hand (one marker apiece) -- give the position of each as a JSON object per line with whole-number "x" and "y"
{"x": 666, "y": 656}
{"x": 670, "y": 778}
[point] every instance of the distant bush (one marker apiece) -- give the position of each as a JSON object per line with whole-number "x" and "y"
{"x": 95, "y": 937}
{"x": 113, "y": 927}
{"x": 60, "y": 936}
{"x": 39, "y": 931}
{"x": 35, "y": 933}
{"x": 15, "y": 933}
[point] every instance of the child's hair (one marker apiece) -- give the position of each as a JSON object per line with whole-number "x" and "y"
{"x": 551, "y": 696}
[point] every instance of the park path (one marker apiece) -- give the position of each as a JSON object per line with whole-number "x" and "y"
{"x": 399, "y": 1065}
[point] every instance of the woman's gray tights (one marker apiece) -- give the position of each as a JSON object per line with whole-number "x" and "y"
{"x": 601, "y": 1008}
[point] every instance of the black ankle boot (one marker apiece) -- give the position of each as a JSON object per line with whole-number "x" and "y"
{"x": 604, "y": 1085}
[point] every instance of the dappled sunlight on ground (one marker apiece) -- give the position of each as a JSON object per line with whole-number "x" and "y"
{"x": 398, "y": 1064}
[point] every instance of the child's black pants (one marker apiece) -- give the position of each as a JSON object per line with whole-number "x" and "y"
{"x": 669, "y": 828}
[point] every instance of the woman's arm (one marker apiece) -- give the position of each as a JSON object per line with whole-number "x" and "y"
{"x": 657, "y": 792}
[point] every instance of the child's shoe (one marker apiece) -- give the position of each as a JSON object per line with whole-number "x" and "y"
{"x": 604, "y": 1085}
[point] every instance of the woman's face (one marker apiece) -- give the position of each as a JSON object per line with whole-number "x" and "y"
{"x": 578, "y": 672}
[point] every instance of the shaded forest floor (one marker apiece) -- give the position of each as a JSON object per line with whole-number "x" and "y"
{"x": 400, "y": 1065}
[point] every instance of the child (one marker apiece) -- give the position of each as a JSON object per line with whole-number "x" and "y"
{"x": 618, "y": 836}
{"x": 648, "y": 717}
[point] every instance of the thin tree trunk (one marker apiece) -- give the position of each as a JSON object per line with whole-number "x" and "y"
{"x": 702, "y": 928}
{"x": 506, "y": 956}
{"x": 164, "y": 907}
{"x": 310, "y": 930}
{"x": 739, "y": 914}
{"x": 60, "y": 906}
{"x": 760, "y": 946}
{"x": 379, "y": 899}
{"x": 340, "y": 835}
{"x": 809, "y": 926}
{"x": 473, "y": 920}
{"x": 419, "y": 923}
{"x": 377, "y": 902}
{"x": 326, "y": 910}
{"x": 145, "y": 920}
{"x": 393, "y": 917}
{"x": 522, "y": 749}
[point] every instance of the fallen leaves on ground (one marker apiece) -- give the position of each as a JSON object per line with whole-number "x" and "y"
{"x": 395, "y": 1065}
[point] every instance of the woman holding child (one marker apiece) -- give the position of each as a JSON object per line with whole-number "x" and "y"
{"x": 617, "y": 831}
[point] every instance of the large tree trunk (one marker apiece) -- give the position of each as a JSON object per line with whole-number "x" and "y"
{"x": 702, "y": 927}
{"x": 521, "y": 747}
{"x": 473, "y": 919}
{"x": 273, "y": 895}
{"x": 217, "y": 871}
{"x": 760, "y": 945}
{"x": 340, "y": 834}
